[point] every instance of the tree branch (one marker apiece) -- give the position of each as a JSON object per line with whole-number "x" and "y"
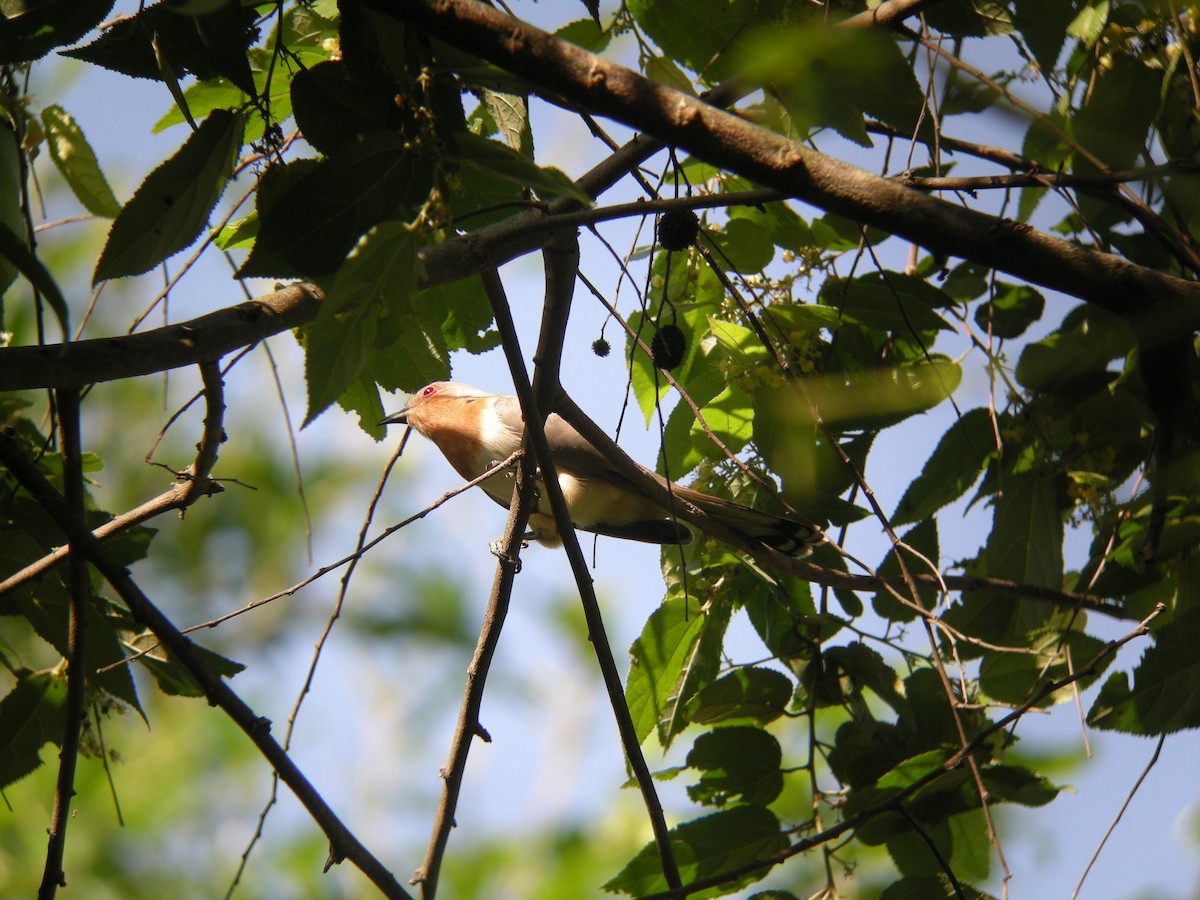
{"x": 1157, "y": 304}
{"x": 207, "y": 337}
{"x": 80, "y": 598}
{"x": 343, "y": 843}
{"x": 562, "y": 264}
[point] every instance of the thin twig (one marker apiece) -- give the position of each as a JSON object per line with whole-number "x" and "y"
{"x": 1120, "y": 812}
{"x": 80, "y": 598}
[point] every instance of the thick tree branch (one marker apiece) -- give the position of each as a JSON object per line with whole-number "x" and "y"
{"x": 1156, "y": 304}
{"x": 207, "y": 337}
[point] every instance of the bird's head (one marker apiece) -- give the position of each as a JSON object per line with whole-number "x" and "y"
{"x": 429, "y": 398}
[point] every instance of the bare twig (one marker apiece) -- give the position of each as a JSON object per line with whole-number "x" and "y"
{"x": 1120, "y": 812}
{"x": 537, "y": 398}
{"x": 80, "y": 598}
{"x": 468, "y": 726}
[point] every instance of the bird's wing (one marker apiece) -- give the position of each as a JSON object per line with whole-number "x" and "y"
{"x": 570, "y": 449}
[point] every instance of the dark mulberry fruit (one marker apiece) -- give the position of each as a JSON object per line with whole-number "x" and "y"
{"x": 677, "y": 229}
{"x": 667, "y": 347}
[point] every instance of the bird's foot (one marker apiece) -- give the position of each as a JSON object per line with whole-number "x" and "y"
{"x": 497, "y": 548}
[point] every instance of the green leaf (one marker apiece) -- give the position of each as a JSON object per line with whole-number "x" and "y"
{"x": 17, "y": 252}
{"x": 952, "y": 468}
{"x": 172, "y": 677}
{"x": 748, "y": 692}
{"x": 743, "y": 245}
{"x": 1165, "y": 696}
{"x": 171, "y": 207}
{"x": 740, "y": 764}
{"x": 499, "y": 161}
{"x": 333, "y": 107}
{"x": 705, "y": 848}
{"x": 311, "y": 213}
{"x": 889, "y": 301}
{"x": 1120, "y": 108}
{"x": 1011, "y": 310}
{"x": 11, "y": 216}
{"x": 1025, "y": 544}
{"x": 205, "y": 46}
{"x": 32, "y": 714}
{"x": 75, "y": 159}
{"x": 729, "y": 416}
{"x": 32, "y": 28}
{"x": 705, "y": 37}
{"x": 1013, "y": 677}
{"x": 510, "y": 112}
{"x": 833, "y": 76}
{"x": 1016, "y": 784}
{"x": 659, "y": 661}
{"x": 1089, "y": 24}
{"x": 369, "y": 303}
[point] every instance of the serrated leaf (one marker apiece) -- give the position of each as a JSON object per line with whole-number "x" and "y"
{"x": 499, "y": 161}
{"x": 367, "y": 301}
{"x": 205, "y": 46}
{"x": 659, "y": 658}
{"x": 1011, "y": 311}
{"x": 171, "y": 207}
{"x": 1165, "y": 696}
{"x": 11, "y": 216}
{"x": 32, "y": 29}
{"x": 748, "y": 692}
{"x": 172, "y": 677}
{"x": 889, "y": 301}
{"x": 32, "y": 714}
{"x": 510, "y": 112}
{"x": 705, "y": 848}
{"x": 951, "y": 469}
{"x": 311, "y": 213}
{"x": 333, "y": 107}
{"x": 739, "y": 764}
{"x": 74, "y": 158}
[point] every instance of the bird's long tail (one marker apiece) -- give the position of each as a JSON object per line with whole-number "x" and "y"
{"x": 791, "y": 536}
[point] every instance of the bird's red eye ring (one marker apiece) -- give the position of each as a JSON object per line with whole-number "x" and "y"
{"x": 431, "y": 389}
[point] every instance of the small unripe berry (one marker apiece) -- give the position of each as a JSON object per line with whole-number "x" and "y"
{"x": 601, "y": 347}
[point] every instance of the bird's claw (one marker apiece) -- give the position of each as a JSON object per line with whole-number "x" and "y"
{"x": 497, "y": 549}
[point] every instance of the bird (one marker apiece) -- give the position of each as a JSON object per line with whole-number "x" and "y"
{"x": 476, "y": 429}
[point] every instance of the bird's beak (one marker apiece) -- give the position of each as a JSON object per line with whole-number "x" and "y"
{"x": 397, "y": 418}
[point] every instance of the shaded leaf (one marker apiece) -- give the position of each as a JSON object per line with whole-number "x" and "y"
{"x": 333, "y": 108}
{"x": 311, "y": 213}
{"x": 32, "y": 28}
{"x": 31, "y": 714}
{"x": 658, "y": 661}
{"x": 172, "y": 205}
{"x": 369, "y": 306}
{"x": 704, "y": 848}
{"x": 16, "y": 252}
{"x": 205, "y": 46}
{"x": 738, "y": 764}
{"x": 950, "y": 471}
{"x": 748, "y": 692}
{"x": 1165, "y": 695}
